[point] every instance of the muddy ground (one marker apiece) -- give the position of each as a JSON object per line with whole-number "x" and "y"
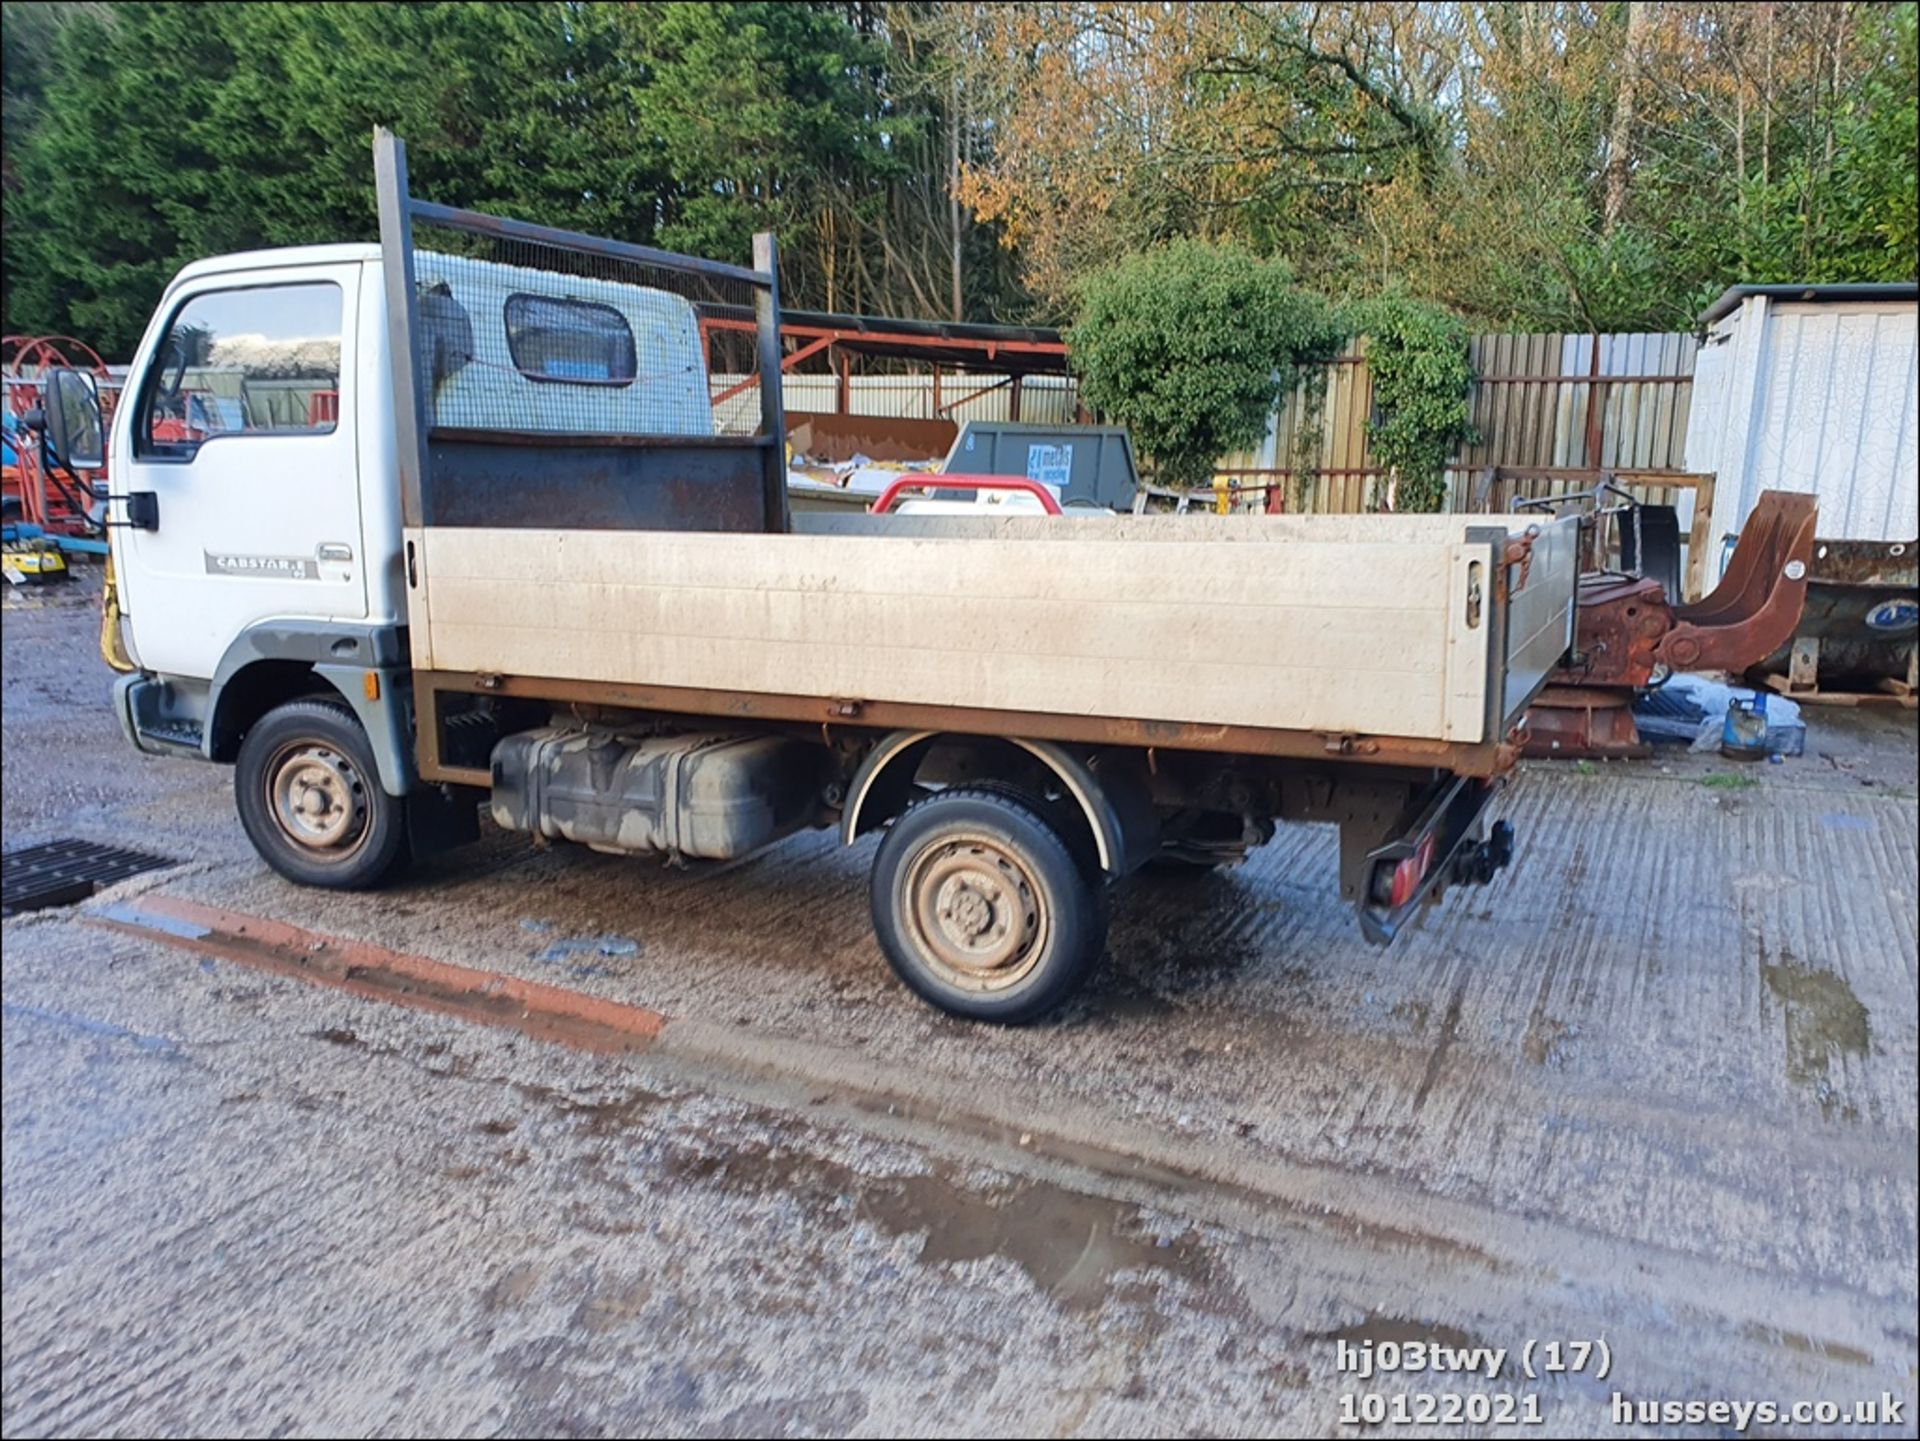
{"x": 1654, "y": 1087}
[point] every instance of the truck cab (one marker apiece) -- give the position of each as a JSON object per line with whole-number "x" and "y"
{"x": 255, "y": 519}
{"x": 254, "y": 462}
{"x": 256, "y": 431}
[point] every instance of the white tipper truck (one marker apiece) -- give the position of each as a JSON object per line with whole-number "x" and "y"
{"x": 500, "y": 522}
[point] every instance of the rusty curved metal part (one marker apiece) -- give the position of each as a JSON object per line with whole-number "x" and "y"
{"x": 1757, "y": 605}
{"x": 1628, "y": 628}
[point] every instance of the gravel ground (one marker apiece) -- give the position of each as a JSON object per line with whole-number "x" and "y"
{"x": 1654, "y": 1086}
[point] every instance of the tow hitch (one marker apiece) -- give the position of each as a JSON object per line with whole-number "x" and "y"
{"x": 1479, "y": 863}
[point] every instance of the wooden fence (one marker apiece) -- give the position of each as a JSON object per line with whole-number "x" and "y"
{"x": 1549, "y": 410}
{"x": 1541, "y": 404}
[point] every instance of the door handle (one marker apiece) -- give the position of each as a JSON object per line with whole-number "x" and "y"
{"x": 334, "y": 550}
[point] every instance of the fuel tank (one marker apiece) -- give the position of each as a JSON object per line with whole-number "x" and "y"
{"x": 713, "y": 797}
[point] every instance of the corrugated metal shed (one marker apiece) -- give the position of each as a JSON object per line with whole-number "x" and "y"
{"x": 1812, "y": 388}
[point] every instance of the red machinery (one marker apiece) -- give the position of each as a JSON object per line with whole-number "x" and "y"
{"x": 940, "y": 480}
{"x": 61, "y": 502}
{"x": 1630, "y": 634}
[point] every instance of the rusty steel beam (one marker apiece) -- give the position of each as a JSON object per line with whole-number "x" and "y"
{"x": 989, "y": 348}
{"x": 1596, "y": 420}
{"x": 811, "y": 348}
{"x": 1283, "y": 471}
{"x": 1590, "y": 475}
{"x": 736, "y": 389}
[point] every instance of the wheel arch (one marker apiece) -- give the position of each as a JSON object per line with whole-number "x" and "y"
{"x": 883, "y": 784}
{"x": 274, "y": 662}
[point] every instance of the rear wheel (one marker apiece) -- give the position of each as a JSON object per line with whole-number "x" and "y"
{"x": 982, "y": 909}
{"x": 310, "y": 799}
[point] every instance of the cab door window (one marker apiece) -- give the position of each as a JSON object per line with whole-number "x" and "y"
{"x": 258, "y": 360}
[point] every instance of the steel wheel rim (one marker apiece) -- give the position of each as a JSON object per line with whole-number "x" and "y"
{"x": 318, "y": 800}
{"x": 976, "y": 912}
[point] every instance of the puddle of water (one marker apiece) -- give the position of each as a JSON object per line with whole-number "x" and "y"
{"x": 613, "y": 947}
{"x": 1073, "y": 1246}
{"x": 1824, "y": 1019}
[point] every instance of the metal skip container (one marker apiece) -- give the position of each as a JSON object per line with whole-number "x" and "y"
{"x": 1083, "y": 465}
{"x": 1861, "y": 620}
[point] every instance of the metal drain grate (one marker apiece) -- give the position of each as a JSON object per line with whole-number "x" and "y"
{"x": 62, "y": 872}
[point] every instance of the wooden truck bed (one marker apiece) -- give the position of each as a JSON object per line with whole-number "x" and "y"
{"x": 1340, "y": 625}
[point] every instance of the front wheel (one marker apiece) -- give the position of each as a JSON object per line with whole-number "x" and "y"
{"x": 982, "y": 909}
{"x": 310, "y": 799}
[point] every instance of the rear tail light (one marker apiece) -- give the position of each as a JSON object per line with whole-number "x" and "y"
{"x": 1410, "y": 872}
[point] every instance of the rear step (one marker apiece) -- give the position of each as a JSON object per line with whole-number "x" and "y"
{"x": 159, "y": 718}
{"x": 173, "y": 733}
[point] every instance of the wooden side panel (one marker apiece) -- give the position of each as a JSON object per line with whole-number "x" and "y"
{"x": 1341, "y": 636}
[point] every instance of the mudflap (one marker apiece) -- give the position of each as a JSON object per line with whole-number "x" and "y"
{"x": 1443, "y": 846}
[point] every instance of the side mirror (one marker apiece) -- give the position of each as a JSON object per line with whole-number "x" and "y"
{"x": 74, "y": 428}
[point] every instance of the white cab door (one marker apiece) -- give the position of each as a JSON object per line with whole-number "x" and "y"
{"x": 242, "y": 428}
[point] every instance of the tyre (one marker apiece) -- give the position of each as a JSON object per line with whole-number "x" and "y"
{"x": 981, "y": 908}
{"x": 310, "y": 799}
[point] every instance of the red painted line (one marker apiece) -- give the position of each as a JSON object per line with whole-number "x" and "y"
{"x": 542, "y": 1012}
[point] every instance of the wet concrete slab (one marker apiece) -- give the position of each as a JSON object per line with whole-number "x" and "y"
{"x": 1656, "y": 1083}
